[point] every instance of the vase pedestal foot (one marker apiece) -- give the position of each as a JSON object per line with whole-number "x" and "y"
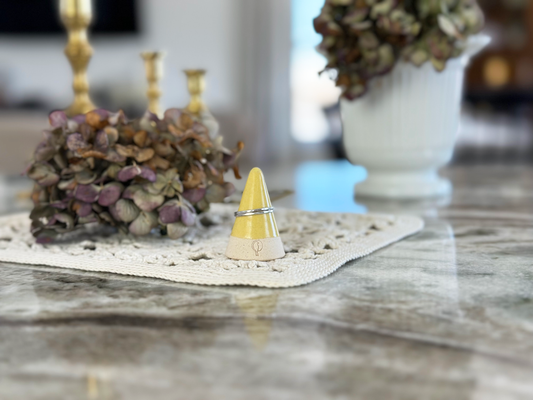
{"x": 403, "y": 185}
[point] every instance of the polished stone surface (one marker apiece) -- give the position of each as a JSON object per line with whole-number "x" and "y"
{"x": 445, "y": 314}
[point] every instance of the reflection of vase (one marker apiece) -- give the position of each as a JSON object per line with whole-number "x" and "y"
{"x": 405, "y": 127}
{"x": 196, "y": 106}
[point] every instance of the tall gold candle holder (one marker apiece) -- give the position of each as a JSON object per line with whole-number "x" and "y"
{"x": 196, "y": 86}
{"x": 153, "y": 64}
{"x": 76, "y": 15}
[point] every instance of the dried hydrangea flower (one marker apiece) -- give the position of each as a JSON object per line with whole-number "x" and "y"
{"x": 167, "y": 183}
{"x": 363, "y": 39}
{"x": 135, "y": 175}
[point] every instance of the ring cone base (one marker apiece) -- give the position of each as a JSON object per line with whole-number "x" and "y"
{"x": 255, "y": 249}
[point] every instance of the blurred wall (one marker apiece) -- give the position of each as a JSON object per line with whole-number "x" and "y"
{"x": 199, "y": 33}
{"x": 243, "y": 44}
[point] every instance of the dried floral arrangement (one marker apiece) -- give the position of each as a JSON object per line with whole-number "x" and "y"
{"x": 363, "y": 39}
{"x": 135, "y": 175}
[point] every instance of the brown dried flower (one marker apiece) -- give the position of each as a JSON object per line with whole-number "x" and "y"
{"x": 136, "y": 175}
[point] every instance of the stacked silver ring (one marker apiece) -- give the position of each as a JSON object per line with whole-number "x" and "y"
{"x": 257, "y": 211}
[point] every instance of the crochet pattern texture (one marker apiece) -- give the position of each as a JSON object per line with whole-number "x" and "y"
{"x": 316, "y": 244}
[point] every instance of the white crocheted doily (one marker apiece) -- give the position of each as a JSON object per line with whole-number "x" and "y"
{"x": 316, "y": 244}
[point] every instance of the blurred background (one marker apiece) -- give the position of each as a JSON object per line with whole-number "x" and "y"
{"x": 263, "y": 82}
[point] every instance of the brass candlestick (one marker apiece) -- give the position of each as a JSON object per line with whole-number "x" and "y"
{"x": 76, "y": 16}
{"x": 153, "y": 64}
{"x": 196, "y": 86}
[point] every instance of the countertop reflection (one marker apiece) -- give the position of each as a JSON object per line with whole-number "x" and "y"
{"x": 445, "y": 314}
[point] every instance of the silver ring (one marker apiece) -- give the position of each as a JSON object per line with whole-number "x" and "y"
{"x": 257, "y": 211}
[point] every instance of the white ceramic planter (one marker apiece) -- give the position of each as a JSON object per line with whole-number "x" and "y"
{"x": 405, "y": 128}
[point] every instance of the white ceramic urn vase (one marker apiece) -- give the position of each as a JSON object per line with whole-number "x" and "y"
{"x": 405, "y": 127}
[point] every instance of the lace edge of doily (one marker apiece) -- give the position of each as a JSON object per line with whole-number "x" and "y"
{"x": 307, "y": 272}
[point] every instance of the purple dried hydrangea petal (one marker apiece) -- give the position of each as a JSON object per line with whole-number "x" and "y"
{"x": 194, "y": 195}
{"x": 200, "y": 128}
{"x": 228, "y": 160}
{"x": 76, "y": 142}
{"x": 146, "y": 201}
{"x": 172, "y": 114}
{"x": 83, "y": 209}
{"x": 170, "y": 212}
{"x": 44, "y": 152}
{"x": 124, "y": 210}
{"x": 150, "y": 116}
{"x": 110, "y": 194}
{"x": 188, "y": 215}
{"x": 79, "y": 119}
{"x": 87, "y": 193}
{"x": 101, "y": 142}
{"x": 143, "y": 224}
{"x": 128, "y": 173}
{"x": 58, "y": 119}
{"x": 104, "y": 114}
{"x": 148, "y": 174}
{"x": 100, "y": 180}
{"x": 176, "y": 230}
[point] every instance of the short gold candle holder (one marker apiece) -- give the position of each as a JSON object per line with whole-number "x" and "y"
{"x": 197, "y": 107}
{"x": 153, "y": 64}
{"x": 196, "y": 86}
{"x": 76, "y": 15}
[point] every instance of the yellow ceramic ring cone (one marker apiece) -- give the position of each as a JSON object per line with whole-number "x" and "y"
{"x": 255, "y": 237}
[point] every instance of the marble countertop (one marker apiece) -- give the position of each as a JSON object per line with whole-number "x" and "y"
{"x": 446, "y": 314}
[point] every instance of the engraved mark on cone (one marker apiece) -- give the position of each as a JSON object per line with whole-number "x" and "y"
{"x": 257, "y": 246}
